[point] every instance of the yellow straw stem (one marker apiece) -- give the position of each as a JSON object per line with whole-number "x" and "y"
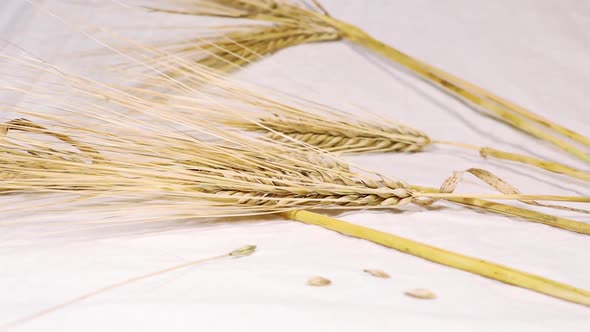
{"x": 520, "y": 197}
{"x": 513, "y": 211}
{"x": 530, "y": 115}
{"x": 530, "y": 215}
{"x": 547, "y": 165}
{"x": 240, "y": 252}
{"x": 474, "y": 265}
{"x": 466, "y": 91}
{"x": 519, "y": 158}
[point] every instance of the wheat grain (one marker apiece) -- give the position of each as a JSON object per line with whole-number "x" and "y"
{"x": 421, "y": 293}
{"x": 377, "y": 273}
{"x": 319, "y": 282}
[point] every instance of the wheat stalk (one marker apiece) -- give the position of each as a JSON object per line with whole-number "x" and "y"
{"x": 240, "y": 252}
{"x": 298, "y": 17}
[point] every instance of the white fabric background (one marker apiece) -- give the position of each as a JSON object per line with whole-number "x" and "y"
{"x": 530, "y": 51}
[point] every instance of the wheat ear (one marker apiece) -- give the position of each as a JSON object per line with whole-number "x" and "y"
{"x": 283, "y": 11}
{"x": 237, "y": 49}
{"x": 380, "y": 138}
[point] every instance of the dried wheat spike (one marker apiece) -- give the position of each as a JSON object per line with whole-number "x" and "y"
{"x": 239, "y": 48}
{"x": 310, "y": 189}
{"x": 242, "y": 47}
{"x": 289, "y": 25}
{"x": 348, "y": 137}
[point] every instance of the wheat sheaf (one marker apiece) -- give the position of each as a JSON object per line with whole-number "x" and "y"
{"x": 90, "y": 148}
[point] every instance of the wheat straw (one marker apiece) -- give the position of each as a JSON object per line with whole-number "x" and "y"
{"x": 240, "y": 252}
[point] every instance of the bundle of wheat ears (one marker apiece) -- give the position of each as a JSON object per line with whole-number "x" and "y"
{"x": 111, "y": 147}
{"x": 104, "y": 152}
{"x": 284, "y": 24}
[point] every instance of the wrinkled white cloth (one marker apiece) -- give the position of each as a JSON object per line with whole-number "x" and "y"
{"x": 533, "y": 52}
